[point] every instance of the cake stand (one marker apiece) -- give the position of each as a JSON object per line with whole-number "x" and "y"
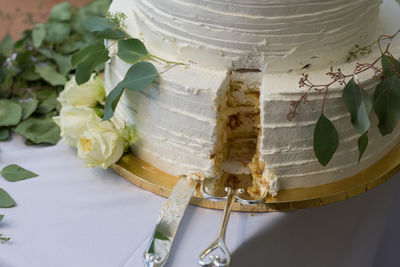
{"x": 154, "y": 180}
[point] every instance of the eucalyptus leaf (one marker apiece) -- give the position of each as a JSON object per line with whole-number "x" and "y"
{"x": 10, "y": 112}
{"x": 86, "y": 67}
{"x": 83, "y": 54}
{"x": 4, "y": 133}
{"x": 30, "y": 75}
{"x": 6, "y": 45}
{"x": 39, "y": 130}
{"x": 97, "y": 8}
{"x": 390, "y": 66}
{"x": 326, "y": 140}
{"x": 38, "y": 34}
{"x": 97, "y": 24}
{"x": 50, "y": 75}
{"x": 112, "y": 34}
{"x": 6, "y": 200}
{"x": 387, "y": 104}
{"x": 72, "y": 46}
{"x": 112, "y": 102}
{"x": 57, "y": 32}
{"x": 104, "y": 28}
{"x": 47, "y": 101}
{"x": 28, "y": 108}
{"x": 64, "y": 63}
{"x": 14, "y": 173}
{"x": 24, "y": 59}
{"x": 132, "y": 51}
{"x": 139, "y": 76}
{"x": 362, "y": 145}
{"x": 359, "y": 104}
{"x": 61, "y": 12}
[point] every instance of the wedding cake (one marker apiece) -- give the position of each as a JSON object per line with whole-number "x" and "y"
{"x": 225, "y": 110}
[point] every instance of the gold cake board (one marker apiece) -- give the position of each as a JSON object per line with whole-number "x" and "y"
{"x": 154, "y": 180}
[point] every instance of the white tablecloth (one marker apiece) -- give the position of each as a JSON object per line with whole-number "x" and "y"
{"x": 72, "y": 216}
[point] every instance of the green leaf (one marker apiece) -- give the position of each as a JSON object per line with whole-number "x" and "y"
{"x": 10, "y": 112}
{"x": 6, "y": 200}
{"x": 4, "y": 133}
{"x": 38, "y": 34}
{"x": 1, "y": 217}
{"x": 97, "y": 24}
{"x": 115, "y": 34}
{"x": 83, "y": 54}
{"x": 132, "y": 51}
{"x": 138, "y": 77}
{"x": 326, "y": 140}
{"x": 30, "y": 74}
{"x": 387, "y": 104}
{"x": 97, "y": 8}
{"x": 61, "y": 12}
{"x": 23, "y": 59}
{"x": 28, "y": 108}
{"x": 39, "y": 130}
{"x": 50, "y": 75}
{"x": 112, "y": 102}
{"x": 47, "y": 101}
{"x": 57, "y": 32}
{"x": 14, "y": 173}
{"x": 104, "y": 28}
{"x": 88, "y": 65}
{"x": 358, "y": 103}
{"x": 64, "y": 63}
{"x": 6, "y": 45}
{"x": 390, "y": 66}
{"x": 362, "y": 145}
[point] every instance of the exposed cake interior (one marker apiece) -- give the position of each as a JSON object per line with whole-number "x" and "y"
{"x": 237, "y": 154}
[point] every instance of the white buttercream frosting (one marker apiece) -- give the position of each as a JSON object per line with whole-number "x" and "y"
{"x": 278, "y": 35}
{"x": 176, "y": 118}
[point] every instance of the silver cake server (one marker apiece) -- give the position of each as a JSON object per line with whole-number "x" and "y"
{"x": 168, "y": 222}
{"x": 217, "y": 253}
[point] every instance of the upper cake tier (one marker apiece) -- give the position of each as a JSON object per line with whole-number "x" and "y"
{"x": 276, "y": 35}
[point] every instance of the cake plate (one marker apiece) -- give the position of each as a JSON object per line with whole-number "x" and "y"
{"x": 154, "y": 180}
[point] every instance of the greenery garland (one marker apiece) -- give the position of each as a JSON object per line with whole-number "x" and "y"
{"x": 33, "y": 70}
{"x": 131, "y": 50}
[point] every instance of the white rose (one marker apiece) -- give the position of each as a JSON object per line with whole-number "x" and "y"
{"x": 86, "y": 95}
{"x": 101, "y": 145}
{"x": 73, "y": 122}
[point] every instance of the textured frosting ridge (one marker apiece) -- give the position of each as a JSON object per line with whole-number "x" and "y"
{"x": 278, "y": 35}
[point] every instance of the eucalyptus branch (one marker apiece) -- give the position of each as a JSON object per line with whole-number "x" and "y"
{"x": 366, "y": 50}
{"x": 167, "y": 61}
{"x": 341, "y": 78}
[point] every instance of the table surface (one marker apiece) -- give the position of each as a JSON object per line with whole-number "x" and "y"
{"x": 75, "y": 216}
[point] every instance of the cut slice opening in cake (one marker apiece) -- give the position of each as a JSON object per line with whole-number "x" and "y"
{"x": 238, "y": 133}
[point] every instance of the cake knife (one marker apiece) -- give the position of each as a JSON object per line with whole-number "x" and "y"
{"x": 171, "y": 214}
